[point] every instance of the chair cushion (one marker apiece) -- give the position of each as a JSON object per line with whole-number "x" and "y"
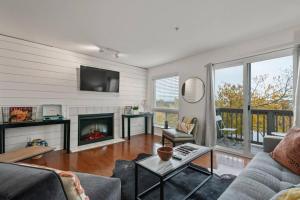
{"x": 173, "y": 133}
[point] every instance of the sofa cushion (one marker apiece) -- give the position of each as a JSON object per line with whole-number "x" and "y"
{"x": 27, "y": 183}
{"x": 260, "y": 180}
{"x": 270, "y": 142}
{"x": 287, "y": 152}
{"x": 176, "y": 134}
{"x": 99, "y": 187}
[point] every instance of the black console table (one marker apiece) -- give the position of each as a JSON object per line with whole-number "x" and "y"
{"x": 129, "y": 116}
{"x": 65, "y": 122}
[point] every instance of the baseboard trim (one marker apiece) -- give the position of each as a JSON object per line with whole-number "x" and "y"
{"x": 96, "y": 145}
{"x": 231, "y": 151}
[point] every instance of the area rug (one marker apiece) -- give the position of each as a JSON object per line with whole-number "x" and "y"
{"x": 176, "y": 187}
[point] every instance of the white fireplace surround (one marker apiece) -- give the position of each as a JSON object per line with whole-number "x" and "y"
{"x": 75, "y": 111}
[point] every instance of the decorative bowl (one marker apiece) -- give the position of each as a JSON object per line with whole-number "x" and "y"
{"x": 165, "y": 153}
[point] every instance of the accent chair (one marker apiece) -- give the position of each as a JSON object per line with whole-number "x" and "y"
{"x": 178, "y": 137}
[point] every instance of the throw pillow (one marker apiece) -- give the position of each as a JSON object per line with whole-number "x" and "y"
{"x": 289, "y": 194}
{"x": 70, "y": 181}
{"x": 188, "y": 120}
{"x": 185, "y": 127}
{"x": 287, "y": 152}
{"x": 72, "y": 186}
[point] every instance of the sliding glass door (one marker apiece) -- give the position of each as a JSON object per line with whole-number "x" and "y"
{"x": 229, "y": 100}
{"x": 253, "y": 99}
{"x": 271, "y": 99}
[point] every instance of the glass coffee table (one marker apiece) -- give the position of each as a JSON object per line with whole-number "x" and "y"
{"x": 183, "y": 156}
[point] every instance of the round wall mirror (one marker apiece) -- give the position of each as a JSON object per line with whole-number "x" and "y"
{"x": 193, "y": 90}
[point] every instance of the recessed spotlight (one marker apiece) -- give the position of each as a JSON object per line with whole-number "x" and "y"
{"x": 176, "y": 28}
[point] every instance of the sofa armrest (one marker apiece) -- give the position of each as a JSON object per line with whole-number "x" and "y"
{"x": 100, "y": 187}
{"x": 270, "y": 142}
{"x": 29, "y": 183}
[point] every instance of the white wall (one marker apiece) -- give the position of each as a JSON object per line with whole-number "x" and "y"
{"x": 34, "y": 74}
{"x": 194, "y": 65}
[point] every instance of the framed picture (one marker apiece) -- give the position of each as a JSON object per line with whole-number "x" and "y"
{"x": 127, "y": 110}
{"x": 52, "y": 110}
{"x": 20, "y": 114}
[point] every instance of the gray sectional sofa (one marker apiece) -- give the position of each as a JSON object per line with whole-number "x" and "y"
{"x": 27, "y": 183}
{"x": 262, "y": 178}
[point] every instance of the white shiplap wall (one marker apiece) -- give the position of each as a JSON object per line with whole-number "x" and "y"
{"x": 33, "y": 74}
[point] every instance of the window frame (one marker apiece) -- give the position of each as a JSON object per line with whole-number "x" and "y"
{"x": 166, "y": 111}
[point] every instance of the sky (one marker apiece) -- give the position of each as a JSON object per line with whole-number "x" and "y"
{"x": 234, "y": 75}
{"x": 167, "y": 88}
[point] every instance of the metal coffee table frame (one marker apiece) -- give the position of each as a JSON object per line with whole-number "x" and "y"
{"x": 172, "y": 173}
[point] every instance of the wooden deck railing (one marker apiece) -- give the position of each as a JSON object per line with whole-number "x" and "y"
{"x": 264, "y": 122}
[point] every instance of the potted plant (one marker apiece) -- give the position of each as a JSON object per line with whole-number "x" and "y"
{"x": 135, "y": 109}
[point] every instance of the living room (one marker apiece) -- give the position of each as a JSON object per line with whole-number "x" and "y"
{"x": 149, "y": 99}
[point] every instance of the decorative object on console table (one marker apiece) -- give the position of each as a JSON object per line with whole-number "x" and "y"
{"x": 52, "y": 112}
{"x": 145, "y": 107}
{"x": 135, "y": 110}
{"x": 20, "y": 114}
{"x": 128, "y": 110}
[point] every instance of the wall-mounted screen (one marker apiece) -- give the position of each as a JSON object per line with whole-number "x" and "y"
{"x": 99, "y": 80}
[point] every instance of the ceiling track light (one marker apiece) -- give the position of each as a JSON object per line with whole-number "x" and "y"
{"x": 116, "y": 53}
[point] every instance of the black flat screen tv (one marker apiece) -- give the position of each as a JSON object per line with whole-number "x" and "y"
{"x": 99, "y": 80}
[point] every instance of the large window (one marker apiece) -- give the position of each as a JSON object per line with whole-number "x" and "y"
{"x": 166, "y": 100}
{"x": 167, "y": 92}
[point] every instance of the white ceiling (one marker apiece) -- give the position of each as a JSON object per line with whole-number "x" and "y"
{"x": 143, "y": 30}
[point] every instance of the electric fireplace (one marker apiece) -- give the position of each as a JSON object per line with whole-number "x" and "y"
{"x": 95, "y": 128}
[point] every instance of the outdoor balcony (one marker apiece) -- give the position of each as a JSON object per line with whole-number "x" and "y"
{"x": 264, "y": 122}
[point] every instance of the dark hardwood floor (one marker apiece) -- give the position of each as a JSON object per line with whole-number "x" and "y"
{"x": 101, "y": 160}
